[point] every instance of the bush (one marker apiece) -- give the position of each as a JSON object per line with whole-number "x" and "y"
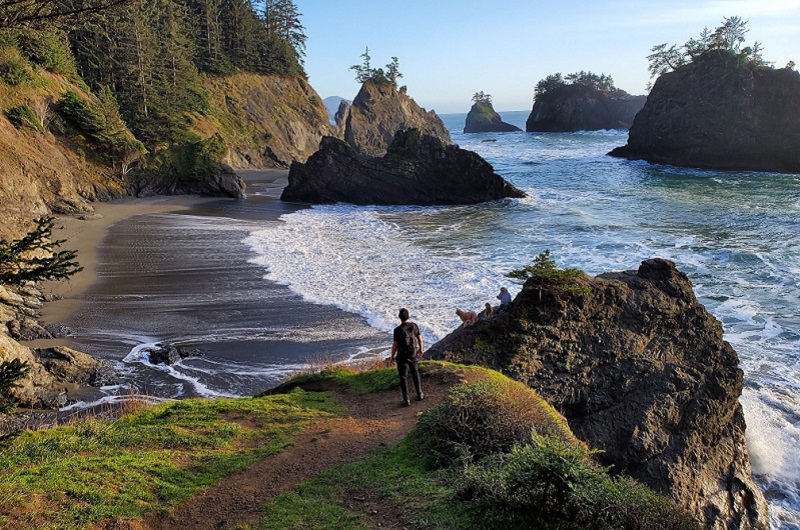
{"x": 14, "y": 69}
{"x": 10, "y": 372}
{"x": 488, "y": 417}
{"x": 23, "y": 116}
{"x": 555, "y": 484}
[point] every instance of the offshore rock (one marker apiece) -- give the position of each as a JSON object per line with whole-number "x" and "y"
{"x": 378, "y": 112}
{"x": 483, "y": 118}
{"x": 716, "y": 113}
{"x": 418, "y": 169}
{"x": 640, "y": 370}
{"x": 573, "y": 108}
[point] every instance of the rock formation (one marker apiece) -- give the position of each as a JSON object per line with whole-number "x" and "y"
{"x": 417, "y": 169}
{"x": 573, "y": 108}
{"x": 640, "y": 370}
{"x": 715, "y": 113}
{"x": 266, "y": 121}
{"x": 483, "y": 118}
{"x": 333, "y": 104}
{"x": 378, "y": 112}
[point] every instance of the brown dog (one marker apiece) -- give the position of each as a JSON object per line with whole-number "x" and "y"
{"x": 467, "y": 317}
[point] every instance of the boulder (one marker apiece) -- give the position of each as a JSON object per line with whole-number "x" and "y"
{"x": 482, "y": 118}
{"x": 169, "y": 355}
{"x": 571, "y": 108}
{"x": 641, "y": 371}
{"x": 719, "y": 114}
{"x": 418, "y": 169}
{"x": 70, "y": 366}
{"x": 378, "y": 112}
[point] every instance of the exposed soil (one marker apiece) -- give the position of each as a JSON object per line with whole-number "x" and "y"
{"x": 370, "y": 421}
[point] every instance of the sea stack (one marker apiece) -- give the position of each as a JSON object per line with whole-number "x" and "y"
{"x": 717, "y": 113}
{"x": 482, "y": 118}
{"x": 380, "y": 110}
{"x": 640, "y": 370}
{"x": 418, "y": 169}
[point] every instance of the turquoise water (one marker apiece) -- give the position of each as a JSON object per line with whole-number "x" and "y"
{"x": 734, "y": 234}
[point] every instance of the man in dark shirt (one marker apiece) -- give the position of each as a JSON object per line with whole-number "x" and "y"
{"x": 407, "y": 349}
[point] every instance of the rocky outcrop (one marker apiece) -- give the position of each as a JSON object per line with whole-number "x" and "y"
{"x": 417, "y": 169}
{"x": 378, "y": 112}
{"x": 333, "y": 104}
{"x": 266, "y": 121}
{"x": 571, "y": 108}
{"x": 715, "y": 113}
{"x": 483, "y": 118}
{"x": 640, "y": 370}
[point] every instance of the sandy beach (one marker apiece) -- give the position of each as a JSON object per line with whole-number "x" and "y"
{"x": 175, "y": 270}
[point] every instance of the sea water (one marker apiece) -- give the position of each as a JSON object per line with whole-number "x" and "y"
{"x": 735, "y": 234}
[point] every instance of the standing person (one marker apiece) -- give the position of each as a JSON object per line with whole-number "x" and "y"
{"x": 505, "y": 299}
{"x": 407, "y": 349}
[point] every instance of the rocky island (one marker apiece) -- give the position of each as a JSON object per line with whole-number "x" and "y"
{"x": 483, "y": 118}
{"x": 582, "y": 101}
{"x": 720, "y": 111}
{"x": 417, "y": 169}
{"x": 640, "y": 370}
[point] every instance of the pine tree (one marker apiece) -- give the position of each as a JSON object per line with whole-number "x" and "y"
{"x": 35, "y": 257}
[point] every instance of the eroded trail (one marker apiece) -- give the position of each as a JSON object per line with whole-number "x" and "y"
{"x": 369, "y": 422}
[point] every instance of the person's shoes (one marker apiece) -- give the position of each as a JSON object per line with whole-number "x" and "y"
{"x": 421, "y": 396}
{"x": 406, "y": 402}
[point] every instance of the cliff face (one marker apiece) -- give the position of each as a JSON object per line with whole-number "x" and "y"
{"x": 483, "y": 118}
{"x": 573, "y": 108}
{"x": 641, "y": 371}
{"x": 715, "y": 113}
{"x": 266, "y": 121}
{"x": 418, "y": 169}
{"x": 378, "y": 112}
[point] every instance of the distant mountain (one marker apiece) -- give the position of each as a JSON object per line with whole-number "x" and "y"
{"x": 332, "y": 105}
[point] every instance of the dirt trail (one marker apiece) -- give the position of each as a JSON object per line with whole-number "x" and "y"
{"x": 370, "y": 421}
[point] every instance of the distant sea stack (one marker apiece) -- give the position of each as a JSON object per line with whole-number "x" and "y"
{"x": 581, "y": 102}
{"x": 332, "y": 105}
{"x": 641, "y": 371}
{"x": 482, "y": 118}
{"x": 716, "y": 113}
{"x": 418, "y": 169}
{"x": 378, "y": 112}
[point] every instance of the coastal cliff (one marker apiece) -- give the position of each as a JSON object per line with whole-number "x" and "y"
{"x": 571, "y": 110}
{"x": 717, "y": 113}
{"x": 640, "y": 370}
{"x": 483, "y": 118}
{"x": 417, "y": 169}
{"x": 378, "y": 112}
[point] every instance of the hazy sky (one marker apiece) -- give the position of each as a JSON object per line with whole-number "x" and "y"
{"x": 450, "y": 49}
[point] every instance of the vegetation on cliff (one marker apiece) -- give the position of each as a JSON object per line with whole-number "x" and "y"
{"x": 101, "y": 473}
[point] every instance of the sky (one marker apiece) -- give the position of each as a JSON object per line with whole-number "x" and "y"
{"x": 451, "y": 49}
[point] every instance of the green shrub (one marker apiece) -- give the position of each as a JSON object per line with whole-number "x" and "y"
{"x": 557, "y": 485}
{"x": 10, "y": 372}
{"x": 14, "y": 69}
{"x": 488, "y": 417}
{"x": 23, "y": 116}
{"x": 79, "y": 114}
{"x": 48, "y": 49}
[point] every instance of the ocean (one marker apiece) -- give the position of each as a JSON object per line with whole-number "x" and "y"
{"x": 341, "y": 272}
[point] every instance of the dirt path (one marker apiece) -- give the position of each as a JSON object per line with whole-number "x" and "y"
{"x": 370, "y": 421}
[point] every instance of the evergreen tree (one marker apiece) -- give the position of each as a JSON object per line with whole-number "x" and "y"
{"x": 35, "y": 257}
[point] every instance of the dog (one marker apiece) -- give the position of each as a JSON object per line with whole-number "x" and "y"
{"x": 467, "y": 317}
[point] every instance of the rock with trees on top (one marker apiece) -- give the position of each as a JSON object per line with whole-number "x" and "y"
{"x": 717, "y": 104}
{"x": 483, "y": 118}
{"x": 582, "y": 101}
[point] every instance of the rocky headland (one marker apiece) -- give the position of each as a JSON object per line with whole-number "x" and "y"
{"x": 380, "y": 110}
{"x": 717, "y": 113}
{"x": 640, "y": 370}
{"x": 483, "y": 118}
{"x": 418, "y": 169}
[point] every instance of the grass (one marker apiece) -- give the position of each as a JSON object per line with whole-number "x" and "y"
{"x": 154, "y": 458}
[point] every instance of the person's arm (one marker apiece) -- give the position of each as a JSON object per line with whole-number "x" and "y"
{"x": 421, "y": 346}
{"x": 394, "y": 349}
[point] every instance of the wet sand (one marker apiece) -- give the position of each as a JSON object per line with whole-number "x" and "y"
{"x": 175, "y": 270}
